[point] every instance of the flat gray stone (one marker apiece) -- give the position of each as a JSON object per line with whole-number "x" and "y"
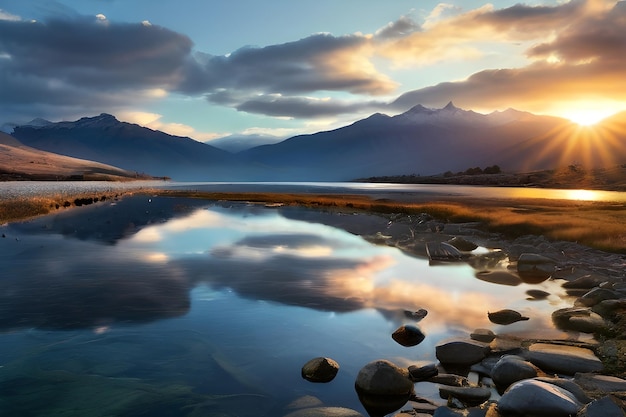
{"x": 467, "y": 395}
{"x": 603, "y": 383}
{"x": 563, "y": 359}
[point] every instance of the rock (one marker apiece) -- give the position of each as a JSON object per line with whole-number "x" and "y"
{"x": 320, "y": 370}
{"x": 567, "y": 360}
{"x": 450, "y": 380}
{"x": 534, "y": 268}
{"x": 447, "y": 412}
{"x": 416, "y": 315}
{"x": 537, "y": 294}
{"x": 483, "y": 335}
{"x": 568, "y": 385}
{"x": 510, "y": 369}
{"x": 462, "y": 244}
{"x": 306, "y": 401}
{"x": 422, "y": 373}
{"x": 382, "y": 377}
{"x": 461, "y": 352}
{"x": 499, "y": 277}
{"x": 604, "y": 407}
{"x": 442, "y": 251}
{"x": 579, "y": 319}
{"x": 408, "y": 335}
{"x": 537, "y": 398}
{"x": 383, "y": 387}
{"x": 505, "y": 316}
{"x": 597, "y": 295}
{"x": 467, "y": 395}
{"x": 610, "y": 308}
{"x": 585, "y": 282}
{"x": 325, "y": 412}
{"x": 602, "y": 383}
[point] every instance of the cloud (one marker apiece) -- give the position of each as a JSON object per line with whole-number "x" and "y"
{"x": 582, "y": 61}
{"x": 278, "y": 105}
{"x": 319, "y": 62}
{"x": 86, "y": 62}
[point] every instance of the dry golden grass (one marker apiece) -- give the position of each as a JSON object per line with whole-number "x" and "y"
{"x": 599, "y": 225}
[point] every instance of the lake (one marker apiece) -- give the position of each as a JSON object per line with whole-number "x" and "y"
{"x": 178, "y": 307}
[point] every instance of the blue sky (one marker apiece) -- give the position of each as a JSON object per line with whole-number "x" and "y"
{"x": 207, "y": 69}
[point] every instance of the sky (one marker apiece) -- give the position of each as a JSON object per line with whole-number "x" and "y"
{"x": 208, "y": 69}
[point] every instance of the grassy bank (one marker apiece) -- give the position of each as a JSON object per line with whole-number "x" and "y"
{"x": 598, "y": 225}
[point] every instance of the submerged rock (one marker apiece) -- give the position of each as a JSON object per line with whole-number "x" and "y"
{"x": 416, "y": 315}
{"x": 505, "y": 317}
{"x": 483, "y": 335}
{"x": 325, "y": 412}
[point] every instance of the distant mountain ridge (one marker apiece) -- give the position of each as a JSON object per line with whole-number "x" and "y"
{"x": 421, "y": 141}
{"x": 105, "y": 139}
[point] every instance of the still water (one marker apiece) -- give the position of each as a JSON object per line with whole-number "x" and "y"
{"x": 179, "y": 307}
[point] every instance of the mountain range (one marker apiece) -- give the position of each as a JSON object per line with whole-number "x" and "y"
{"x": 420, "y": 141}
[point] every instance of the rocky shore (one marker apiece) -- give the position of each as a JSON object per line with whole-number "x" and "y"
{"x": 501, "y": 375}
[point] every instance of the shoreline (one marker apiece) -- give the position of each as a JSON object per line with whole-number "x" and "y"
{"x": 420, "y": 219}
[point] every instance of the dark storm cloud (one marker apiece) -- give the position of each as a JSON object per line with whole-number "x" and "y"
{"x": 93, "y": 54}
{"x": 303, "y": 107}
{"x": 318, "y": 62}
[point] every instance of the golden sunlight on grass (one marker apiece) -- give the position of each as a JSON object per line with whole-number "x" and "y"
{"x": 596, "y": 224}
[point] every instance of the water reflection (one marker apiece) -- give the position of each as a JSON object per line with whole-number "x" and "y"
{"x": 257, "y": 292}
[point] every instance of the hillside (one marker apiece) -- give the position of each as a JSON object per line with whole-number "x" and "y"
{"x": 19, "y": 162}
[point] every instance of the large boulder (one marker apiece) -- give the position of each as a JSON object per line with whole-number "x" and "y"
{"x": 562, "y": 359}
{"x": 383, "y": 377}
{"x": 538, "y": 399}
{"x": 461, "y": 352}
{"x": 383, "y": 387}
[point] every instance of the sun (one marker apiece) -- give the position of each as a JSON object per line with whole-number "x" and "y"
{"x": 587, "y": 117}
{"x": 587, "y": 114}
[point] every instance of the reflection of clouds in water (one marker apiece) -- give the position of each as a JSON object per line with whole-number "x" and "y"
{"x": 260, "y": 256}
